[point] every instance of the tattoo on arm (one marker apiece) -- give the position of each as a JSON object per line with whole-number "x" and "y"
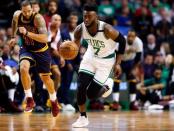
{"x": 40, "y": 24}
{"x": 14, "y": 28}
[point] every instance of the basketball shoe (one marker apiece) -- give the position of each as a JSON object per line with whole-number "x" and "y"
{"x": 108, "y": 85}
{"x": 82, "y": 121}
{"x": 30, "y": 104}
{"x": 54, "y": 108}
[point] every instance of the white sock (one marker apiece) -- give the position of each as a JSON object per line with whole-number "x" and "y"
{"x": 53, "y": 96}
{"x": 11, "y": 93}
{"x": 116, "y": 96}
{"x": 132, "y": 97}
{"x": 28, "y": 93}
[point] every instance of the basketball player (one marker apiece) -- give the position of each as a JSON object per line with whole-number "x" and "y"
{"x": 34, "y": 52}
{"x": 131, "y": 60}
{"x": 98, "y": 60}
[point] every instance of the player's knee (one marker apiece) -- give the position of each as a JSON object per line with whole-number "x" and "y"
{"x": 94, "y": 90}
{"x": 24, "y": 67}
{"x": 45, "y": 78}
{"x": 57, "y": 75}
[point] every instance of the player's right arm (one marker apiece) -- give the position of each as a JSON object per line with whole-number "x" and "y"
{"x": 14, "y": 26}
{"x": 78, "y": 35}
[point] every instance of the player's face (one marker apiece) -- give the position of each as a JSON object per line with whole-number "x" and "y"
{"x": 89, "y": 18}
{"x": 27, "y": 11}
{"x": 131, "y": 37}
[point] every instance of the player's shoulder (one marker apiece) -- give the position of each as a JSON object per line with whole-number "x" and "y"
{"x": 138, "y": 40}
{"x": 79, "y": 27}
{"x": 38, "y": 15}
{"x": 110, "y": 31}
{"x": 16, "y": 14}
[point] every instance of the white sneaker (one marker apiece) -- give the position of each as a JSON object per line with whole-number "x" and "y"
{"x": 109, "y": 83}
{"x": 68, "y": 107}
{"x": 82, "y": 121}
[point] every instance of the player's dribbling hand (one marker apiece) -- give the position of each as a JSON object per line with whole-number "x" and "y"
{"x": 117, "y": 70}
{"x": 22, "y": 30}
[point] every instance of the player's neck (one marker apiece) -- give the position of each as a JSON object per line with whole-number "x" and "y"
{"x": 94, "y": 28}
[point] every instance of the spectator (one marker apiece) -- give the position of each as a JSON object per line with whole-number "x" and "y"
{"x": 149, "y": 66}
{"x": 125, "y": 18}
{"x": 52, "y": 9}
{"x": 106, "y": 11}
{"x": 151, "y": 47}
{"x": 142, "y": 21}
{"x": 9, "y": 78}
{"x": 163, "y": 28}
{"x": 35, "y": 6}
{"x": 6, "y": 52}
{"x": 150, "y": 90}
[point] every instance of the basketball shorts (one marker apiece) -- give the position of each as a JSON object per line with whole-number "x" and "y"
{"x": 55, "y": 62}
{"x": 41, "y": 60}
{"x": 100, "y": 68}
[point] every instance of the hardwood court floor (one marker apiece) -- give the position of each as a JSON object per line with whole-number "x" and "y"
{"x": 99, "y": 121}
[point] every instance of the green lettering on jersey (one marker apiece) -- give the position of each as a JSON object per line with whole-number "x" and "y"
{"x": 97, "y": 45}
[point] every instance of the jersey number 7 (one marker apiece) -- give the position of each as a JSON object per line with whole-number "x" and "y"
{"x": 97, "y": 49}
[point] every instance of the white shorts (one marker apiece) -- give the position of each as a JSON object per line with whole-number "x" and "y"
{"x": 100, "y": 68}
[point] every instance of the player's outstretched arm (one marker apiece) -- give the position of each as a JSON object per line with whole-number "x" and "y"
{"x": 41, "y": 26}
{"x": 77, "y": 35}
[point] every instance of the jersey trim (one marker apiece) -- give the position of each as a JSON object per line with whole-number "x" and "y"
{"x": 86, "y": 71}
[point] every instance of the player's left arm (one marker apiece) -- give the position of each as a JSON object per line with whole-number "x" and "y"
{"x": 41, "y": 26}
{"x": 116, "y": 36}
{"x": 139, "y": 52}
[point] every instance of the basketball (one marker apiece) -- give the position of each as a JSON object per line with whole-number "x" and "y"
{"x": 68, "y": 50}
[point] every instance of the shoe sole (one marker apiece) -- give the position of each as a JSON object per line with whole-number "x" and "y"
{"x": 81, "y": 126}
{"x": 28, "y": 111}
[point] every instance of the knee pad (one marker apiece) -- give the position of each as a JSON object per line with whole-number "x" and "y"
{"x": 95, "y": 90}
{"x": 83, "y": 82}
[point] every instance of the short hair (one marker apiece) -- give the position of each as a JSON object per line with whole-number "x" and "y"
{"x": 25, "y": 3}
{"x": 90, "y": 7}
{"x": 34, "y": 2}
{"x": 50, "y": 1}
{"x": 71, "y": 14}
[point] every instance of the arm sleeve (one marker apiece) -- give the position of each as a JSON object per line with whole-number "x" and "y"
{"x": 122, "y": 43}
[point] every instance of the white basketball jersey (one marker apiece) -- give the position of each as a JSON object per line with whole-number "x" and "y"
{"x": 137, "y": 46}
{"x": 98, "y": 45}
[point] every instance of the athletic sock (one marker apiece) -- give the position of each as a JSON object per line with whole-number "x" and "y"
{"x": 83, "y": 114}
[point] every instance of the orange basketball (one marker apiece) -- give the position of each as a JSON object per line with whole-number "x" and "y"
{"x": 68, "y": 50}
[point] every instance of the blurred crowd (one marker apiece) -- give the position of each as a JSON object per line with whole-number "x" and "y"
{"x": 152, "y": 20}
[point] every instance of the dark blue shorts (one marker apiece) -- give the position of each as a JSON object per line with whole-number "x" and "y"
{"x": 54, "y": 62}
{"x": 127, "y": 67}
{"x": 41, "y": 60}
